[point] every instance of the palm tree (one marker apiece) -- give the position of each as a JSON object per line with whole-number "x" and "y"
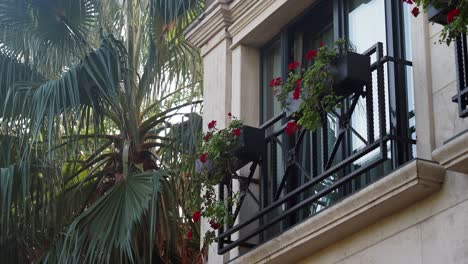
{"x": 91, "y": 156}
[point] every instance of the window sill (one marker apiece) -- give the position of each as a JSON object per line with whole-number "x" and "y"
{"x": 396, "y": 191}
{"x": 454, "y": 154}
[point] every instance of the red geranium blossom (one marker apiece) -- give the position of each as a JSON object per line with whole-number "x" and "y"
{"x": 189, "y": 235}
{"x": 236, "y": 132}
{"x": 212, "y": 124}
{"x": 203, "y": 157}
{"x": 278, "y": 81}
{"x": 293, "y": 65}
{"x": 298, "y": 82}
{"x": 410, "y": 2}
{"x": 196, "y": 216}
{"x": 229, "y": 115}
{"x": 415, "y": 11}
{"x": 207, "y": 136}
{"x": 322, "y": 44}
{"x": 291, "y": 128}
{"x": 214, "y": 225}
{"x": 311, "y": 54}
{"x": 297, "y": 93}
{"x": 275, "y": 82}
{"x": 452, "y": 14}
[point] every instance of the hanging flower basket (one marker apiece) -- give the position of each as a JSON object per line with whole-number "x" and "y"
{"x": 249, "y": 148}
{"x": 227, "y": 150}
{"x": 334, "y": 74}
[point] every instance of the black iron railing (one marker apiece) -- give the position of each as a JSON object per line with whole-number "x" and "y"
{"x": 461, "y": 56}
{"x": 301, "y": 175}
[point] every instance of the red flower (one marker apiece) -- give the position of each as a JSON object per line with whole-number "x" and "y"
{"x": 293, "y": 65}
{"x": 212, "y": 124}
{"x": 291, "y": 128}
{"x": 236, "y": 132}
{"x": 189, "y": 235}
{"x": 410, "y": 2}
{"x": 203, "y": 157}
{"x": 196, "y": 216}
{"x": 415, "y": 11}
{"x": 322, "y": 44}
{"x": 298, "y": 82}
{"x": 272, "y": 83}
{"x": 214, "y": 225}
{"x": 275, "y": 82}
{"x": 297, "y": 93}
{"x": 311, "y": 54}
{"x": 229, "y": 115}
{"x": 278, "y": 81}
{"x": 452, "y": 14}
{"x": 207, "y": 136}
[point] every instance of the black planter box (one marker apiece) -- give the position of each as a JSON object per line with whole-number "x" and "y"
{"x": 209, "y": 166}
{"x": 252, "y": 142}
{"x": 352, "y": 73}
{"x": 439, "y": 15}
{"x": 250, "y": 148}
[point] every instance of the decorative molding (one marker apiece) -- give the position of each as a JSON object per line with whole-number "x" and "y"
{"x": 249, "y": 21}
{"x": 454, "y": 154}
{"x": 396, "y": 191}
{"x": 245, "y": 11}
{"x": 215, "y": 19}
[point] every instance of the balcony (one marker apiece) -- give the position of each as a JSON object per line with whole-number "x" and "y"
{"x": 298, "y": 177}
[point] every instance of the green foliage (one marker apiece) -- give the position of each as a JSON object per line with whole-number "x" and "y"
{"x": 317, "y": 93}
{"x": 459, "y": 24}
{"x": 218, "y": 148}
{"x": 219, "y": 145}
{"x": 92, "y": 139}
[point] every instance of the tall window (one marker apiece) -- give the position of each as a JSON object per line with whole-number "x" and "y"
{"x": 363, "y": 23}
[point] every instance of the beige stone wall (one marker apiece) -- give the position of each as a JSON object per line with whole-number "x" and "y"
{"x": 444, "y": 87}
{"x": 434, "y": 230}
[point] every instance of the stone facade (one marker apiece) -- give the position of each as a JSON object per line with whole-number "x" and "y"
{"x": 431, "y": 226}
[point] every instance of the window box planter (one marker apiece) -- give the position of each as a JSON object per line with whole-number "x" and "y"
{"x": 439, "y": 14}
{"x": 250, "y": 148}
{"x": 351, "y": 74}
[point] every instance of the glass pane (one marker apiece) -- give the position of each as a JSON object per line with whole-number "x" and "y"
{"x": 367, "y": 24}
{"x": 271, "y": 69}
{"x": 366, "y": 28}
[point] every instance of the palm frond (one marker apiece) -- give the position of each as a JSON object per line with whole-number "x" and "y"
{"x": 50, "y": 34}
{"x": 108, "y": 224}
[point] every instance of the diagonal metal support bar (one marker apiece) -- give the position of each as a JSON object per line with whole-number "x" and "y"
{"x": 244, "y": 186}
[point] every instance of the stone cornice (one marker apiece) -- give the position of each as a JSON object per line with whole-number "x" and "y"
{"x": 245, "y": 11}
{"x": 453, "y": 155}
{"x": 251, "y": 22}
{"x": 216, "y": 18}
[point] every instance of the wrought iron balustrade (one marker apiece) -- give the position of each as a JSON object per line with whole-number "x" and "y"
{"x": 461, "y": 55}
{"x": 303, "y": 174}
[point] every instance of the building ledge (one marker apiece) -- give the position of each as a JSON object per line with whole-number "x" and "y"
{"x": 453, "y": 155}
{"x": 410, "y": 183}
